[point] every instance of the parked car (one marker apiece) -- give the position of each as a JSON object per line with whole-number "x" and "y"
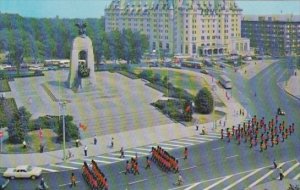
{"x": 222, "y": 66}
{"x": 3, "y": 183}
{"x": 23, "y": 171}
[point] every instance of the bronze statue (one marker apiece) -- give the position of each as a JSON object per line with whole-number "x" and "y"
{"x": 81, "y": 28}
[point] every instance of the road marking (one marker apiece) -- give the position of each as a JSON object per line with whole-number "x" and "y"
{"x": 112, "y": 158}
{"x": 77, "y": 163}
{"x": 61, "y": 166}
{"x": 290, "y": 169}
{"x": 167, "y": 144}
{"x": 265, "y": 176}
{"x": 122, "y": 171}
{"x": 242, "y": 179}
{"x": 185, "y": 143}
{"x": 192, "y": 186}
{"x": 137, "y": 181}
{"x": 49, "y": 170}
{"x": 67, "y": 184}
{"x": 194, "y": 140}
{"x": 126, "y": 155}
{"x": 100, "y": 161}
{"x": 218, "y": 148}
{"x": 296, "y": 177}
{"x": 143, "y": 153}
{"x": 218, "y": 182}
{"x": 145, "y": 149}
{"x": 166, "y": 148}
{"x": 232, "y": 156}
{"x": 201, "y": 138}
{"x": 188, "y": 168}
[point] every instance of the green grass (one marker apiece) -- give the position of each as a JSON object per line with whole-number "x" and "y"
{"x": 4, "y": 86}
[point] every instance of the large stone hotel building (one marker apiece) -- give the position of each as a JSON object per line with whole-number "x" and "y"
{"x": 188, "y": 27}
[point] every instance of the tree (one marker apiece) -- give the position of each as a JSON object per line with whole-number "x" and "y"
{"x": 71, "y": 130}
{"x": 18, "y": 126}
{"x": 204, "y": 102}
{"x": 146, "y": 74}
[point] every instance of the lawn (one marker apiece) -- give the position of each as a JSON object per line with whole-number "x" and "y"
{"x": 4, "y": 86}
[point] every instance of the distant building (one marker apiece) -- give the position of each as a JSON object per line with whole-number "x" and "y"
{"x": 188, "y": 27}
{"x": 274, "y": 35}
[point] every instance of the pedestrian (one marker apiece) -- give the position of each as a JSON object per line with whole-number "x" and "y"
{"x": 122, "y": 153}
{"x": 85, "y": 150}
{"x": 136, "y": 168}
{"x": 222, "y": 135}
{"x": 275, "y": 164}
{"x": 112, "y": 143}
{"x": 261, "y": 146}
{"x": 281, "y": 173}
{"x": 148, "y": 162}
{"x": 77, "y": 142}
{"x": 95, "y": 140}
{"x": 197, "y": 128}
{"x": 41, "y": 148}
{"x": 24, "y": 144}
{"x": 128, "y": 167}
{"x": 185, "y": 153}
{"x": 73, "y": 180}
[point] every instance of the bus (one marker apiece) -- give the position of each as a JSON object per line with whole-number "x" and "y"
{"x": 225, "y": 82}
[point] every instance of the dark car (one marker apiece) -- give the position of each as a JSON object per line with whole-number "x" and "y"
{"x": 222, "y": 65}
{"x": 204, "y": 71}
{"x": 3, "y": 183}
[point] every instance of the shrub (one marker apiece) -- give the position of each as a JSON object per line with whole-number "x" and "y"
{"x": 146, "y": 74}
{"x": 204, "y": 101}
{"x": 71, "y": 129}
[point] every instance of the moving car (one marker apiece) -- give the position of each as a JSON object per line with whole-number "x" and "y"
{"x": 3, "y": 183}
{"x": 204, "y": 71}
{"x": 23, "y": 171}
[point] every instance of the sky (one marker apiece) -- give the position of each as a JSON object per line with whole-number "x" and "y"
{"x": 95, "y": 8}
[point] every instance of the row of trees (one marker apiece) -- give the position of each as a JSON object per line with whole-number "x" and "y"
{"x": 48, "y": 38}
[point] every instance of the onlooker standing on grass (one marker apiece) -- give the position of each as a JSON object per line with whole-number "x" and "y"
{"x": 85, "y": 150}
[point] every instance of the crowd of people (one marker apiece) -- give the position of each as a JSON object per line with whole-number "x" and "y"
{"x": 94, "y": 177}
{"x": 259, "y": 131}
{"x": 164, "y": 160}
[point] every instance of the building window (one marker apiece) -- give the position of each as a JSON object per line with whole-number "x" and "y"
{"x": 167, "y": 46}
{"x": 153, "y": 45}
{"x": 194, "y": 48}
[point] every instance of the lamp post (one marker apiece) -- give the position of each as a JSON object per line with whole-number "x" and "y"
{"x": 214, "y": 95}
{"x": 62, "y": 104}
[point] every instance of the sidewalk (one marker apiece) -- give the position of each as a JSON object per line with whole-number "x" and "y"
{"x": 133, "y": 138}
{"x": 293, "y": 85}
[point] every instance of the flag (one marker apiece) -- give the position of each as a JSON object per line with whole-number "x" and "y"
{"x": 188, "y": 109}
{"x": 83, "y": 127}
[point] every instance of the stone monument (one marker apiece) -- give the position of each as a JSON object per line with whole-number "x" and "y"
{"x": 82, "y": 74}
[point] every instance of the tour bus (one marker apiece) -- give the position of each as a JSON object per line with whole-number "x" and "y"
{"x": 225, "y": 82}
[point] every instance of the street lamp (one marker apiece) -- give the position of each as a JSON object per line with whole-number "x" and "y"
{"x": 214, "y": 95}
{"x": 63, "y": 104}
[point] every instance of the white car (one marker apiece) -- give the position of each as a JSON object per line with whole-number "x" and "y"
{"x": 23, "y": 171}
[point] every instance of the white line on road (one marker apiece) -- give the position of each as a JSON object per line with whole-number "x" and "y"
{"x": 111, "y": 158}
{"x": 143, "y": 153}
{"x": 290, "y": 169}
{"x": 167, "y": 144}
{"x": 77, "y": 163}
{"x": 194, "y": 140}
{"x": 166, "y": 148}
{"x": 48, "y": 170}
{"x": 232, "y": 156}
{"x": 61, "y": 166}
{"x": 137, "y": 181}
{"x": 202, "y": 138}
{"x": 265, "y": 176}
{"x": 218, "y": 148}
{"x": 188, "y": 168}
{"x": 67, "y": 184}
{"x": 126, "y": 155}
{"x": 184, "y": 143}
{"x": 100, "y": 161}
{"x": 218, "y": 182}
{"x": 296, "y": 177}
{"x": 192, "y": 186}
{"x": 145, "y": 149}
{"x": 242, "y": 179}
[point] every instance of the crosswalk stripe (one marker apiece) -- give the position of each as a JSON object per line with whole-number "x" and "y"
{"x": 136, "y": 152}
{"x": 194, "y": 140}
{"x": 296, "y": 177}
{"x": 111, "y": 158}
{"x": 100, "y": 161}
{"x": 178, "y": 142}
{"x": 49, "y": 170}
{"x": 211, "y": 136}
{"x": 218, "y": 182}
{"x": 61, "y": 166}
{"x": 242, "y": 179}
{"x": 77, "y": 163}
{"x": 265, "y": 176}
{"x": 167, "y": 144}
{"x": 291, "y": 169}
{"x": 163, "y": 147}
{"x": 145, "y": 149}
{"x": 126, "y": 155}
{"x": 202, "y": 138}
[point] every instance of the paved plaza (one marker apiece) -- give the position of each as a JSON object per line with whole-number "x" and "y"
{"x": 117, "y": 104}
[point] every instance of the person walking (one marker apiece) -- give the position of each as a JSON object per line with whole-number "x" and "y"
{"x": 147, "y": 163}
{"x": 85, "y": 150}
{"x": 185, "y": 153}
{"x": 73, "y": 180}
{"x": 112, "y": 143}
{"x": 122, "y": 153}
{"x": 275, "y": 164}
{"x": 127, "y": 167}
{"x": 95, "y": 140}
{"x": 281, "y": 174}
